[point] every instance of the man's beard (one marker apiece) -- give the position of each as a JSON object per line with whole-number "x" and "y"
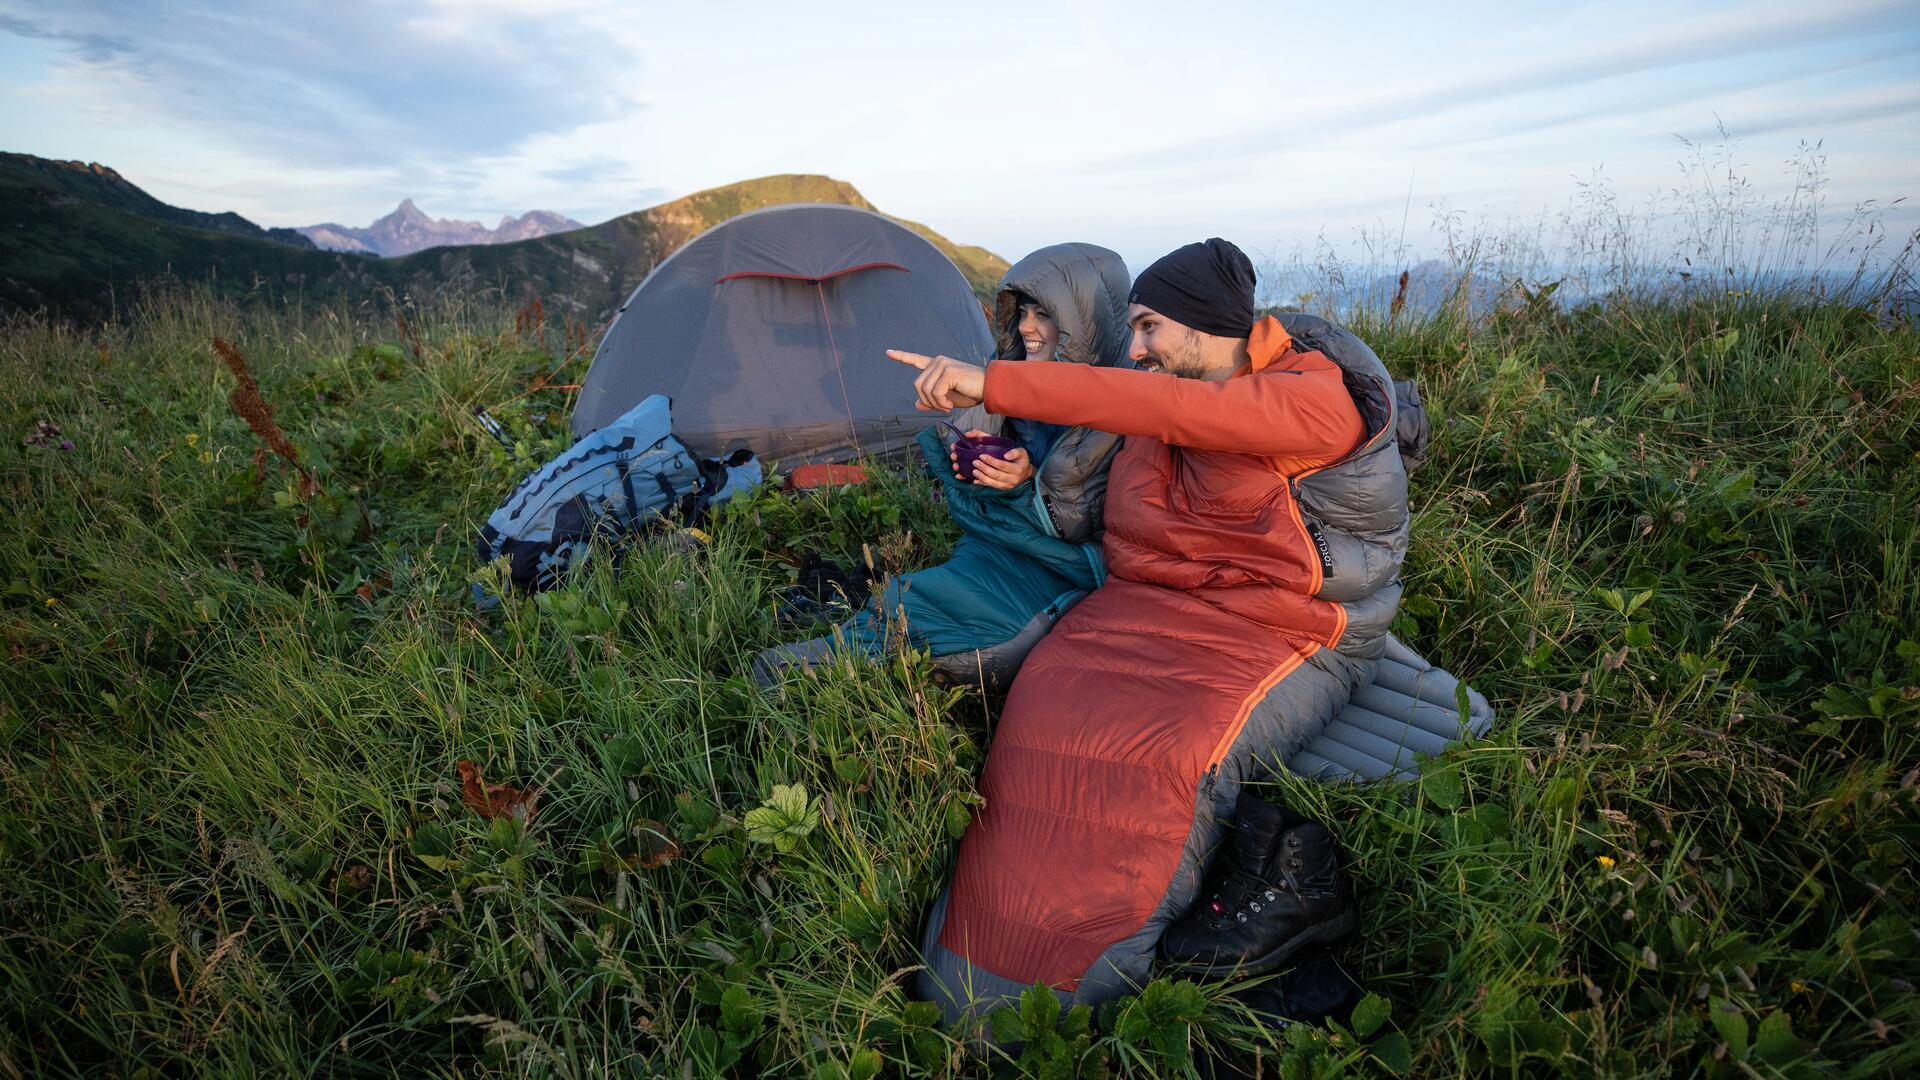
{"x": 1182, "y": 361}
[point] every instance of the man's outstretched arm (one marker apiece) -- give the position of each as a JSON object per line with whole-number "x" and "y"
{"x": 1299, "y": 407}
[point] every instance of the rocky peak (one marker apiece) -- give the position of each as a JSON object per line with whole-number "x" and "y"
{"x": 409, "y": 229}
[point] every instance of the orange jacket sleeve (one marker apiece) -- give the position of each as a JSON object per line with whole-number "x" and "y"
{"x": 1296, "y": 408}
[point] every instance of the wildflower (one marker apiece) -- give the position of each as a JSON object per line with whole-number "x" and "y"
{"x": 193, "y": 438}
{"x": 52, "y": 600}
{"x": 1605, "y": 861}
{"x": 1797, "y": 986}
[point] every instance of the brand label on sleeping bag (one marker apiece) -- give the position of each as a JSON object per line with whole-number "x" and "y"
{"x": 1320, "y": 545}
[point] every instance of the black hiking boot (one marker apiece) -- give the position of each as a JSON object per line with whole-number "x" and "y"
{"x": 1313, "y": 989}
{"x": 824, "y": 593}
{"x": 1277, "y": 889}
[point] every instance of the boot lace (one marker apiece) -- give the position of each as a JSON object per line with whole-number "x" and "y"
{"x": 1241, "y": 894}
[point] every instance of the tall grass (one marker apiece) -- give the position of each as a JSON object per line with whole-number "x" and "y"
{"x": 1715, "y": 231}
{"x": 1672, "y": 537}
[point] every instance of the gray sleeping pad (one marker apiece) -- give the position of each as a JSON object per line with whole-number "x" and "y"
{"x": 1410, "y": 707}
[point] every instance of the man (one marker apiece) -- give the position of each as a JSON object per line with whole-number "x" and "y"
{"x": 1255, "y": 522}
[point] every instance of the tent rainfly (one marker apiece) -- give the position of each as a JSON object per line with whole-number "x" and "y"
{"x": 770, "y": 331}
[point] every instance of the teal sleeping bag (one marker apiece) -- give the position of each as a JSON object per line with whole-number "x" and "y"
{"x": 1007, "y": 581}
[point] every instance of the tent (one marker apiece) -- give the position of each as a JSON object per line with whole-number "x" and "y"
{"x": 770, "y": 331}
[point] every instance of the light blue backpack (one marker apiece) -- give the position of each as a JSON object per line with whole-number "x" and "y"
{"x": 608, "y": 484}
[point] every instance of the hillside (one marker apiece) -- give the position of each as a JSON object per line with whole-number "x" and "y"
{"x": 71, "y": 183}
{"x": 683, "y": 219}
{"x": 78, "y": 240}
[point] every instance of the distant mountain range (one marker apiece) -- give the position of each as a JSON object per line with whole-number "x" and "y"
{"x": 79, "y": 240}
{"x": 408, "y": 230}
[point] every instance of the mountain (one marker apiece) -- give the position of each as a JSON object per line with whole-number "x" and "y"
{"x": 76, "y": 183}
{"x": 79, "y": 241}
{"x": 408, "y": 230}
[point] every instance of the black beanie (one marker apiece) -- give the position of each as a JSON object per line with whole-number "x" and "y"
{"x": 1208, "y": 287}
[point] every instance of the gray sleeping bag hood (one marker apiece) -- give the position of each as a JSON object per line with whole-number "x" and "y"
{"x": 1084, "y": 288}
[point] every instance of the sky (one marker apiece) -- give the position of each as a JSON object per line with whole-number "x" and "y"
{"x": 1140, "y": 126}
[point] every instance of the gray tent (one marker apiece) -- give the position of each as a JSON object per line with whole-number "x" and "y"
{"x": 770, "y": 331}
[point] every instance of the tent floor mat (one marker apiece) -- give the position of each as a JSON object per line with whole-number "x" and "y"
{"x": 1411, "y": 707}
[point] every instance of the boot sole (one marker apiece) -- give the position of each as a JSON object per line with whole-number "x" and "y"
{"x": 1332, "y": 930}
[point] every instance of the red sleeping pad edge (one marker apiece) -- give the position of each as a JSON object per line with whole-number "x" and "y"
{"x": 806, "y": 477}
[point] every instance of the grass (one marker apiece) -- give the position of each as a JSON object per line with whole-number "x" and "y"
{"x": 1673, "y": 540}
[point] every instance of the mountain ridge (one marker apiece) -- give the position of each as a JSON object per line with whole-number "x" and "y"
{"x": 408, "y": 229}
{"x": 100, "y": 185}
{"x": 78, "y": 245}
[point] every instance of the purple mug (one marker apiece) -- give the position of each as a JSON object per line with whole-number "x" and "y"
{"x": 968, "y": 450}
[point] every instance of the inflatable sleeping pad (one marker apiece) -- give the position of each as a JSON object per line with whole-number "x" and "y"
{"x": 1410, "y": 707}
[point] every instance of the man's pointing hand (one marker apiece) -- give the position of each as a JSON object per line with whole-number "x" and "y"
{"x": 944, "y": 383}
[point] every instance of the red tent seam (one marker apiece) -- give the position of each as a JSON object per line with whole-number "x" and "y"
{"x": 815, "y": 280}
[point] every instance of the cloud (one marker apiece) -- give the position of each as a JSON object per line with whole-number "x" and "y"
{"x": 600, "y": 171}
{"x": 95, "y": 48}
{"x": 1819, "y": 116}
{"x": 349, "y": 83}
{"x": 1572, "y": 65}
{"x": 1667, "y": 96}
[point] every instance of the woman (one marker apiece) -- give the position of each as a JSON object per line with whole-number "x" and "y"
{"x": 1039, "y": 338}
{"x": 1030, "y": 522}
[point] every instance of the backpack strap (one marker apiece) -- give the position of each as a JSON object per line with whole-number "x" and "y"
{"x": 626, "y": 485}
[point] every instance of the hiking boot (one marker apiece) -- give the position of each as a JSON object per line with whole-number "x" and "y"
{"x": 824, "y": 593}
{"x": 1282, "y": 890}
{"x": 1314, "y": 989}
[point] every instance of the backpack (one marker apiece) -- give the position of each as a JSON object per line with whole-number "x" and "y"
{"x": 609, "y": 484}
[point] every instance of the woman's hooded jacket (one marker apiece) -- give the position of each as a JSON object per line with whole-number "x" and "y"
{"x": 1027, "y": 554}
{"x": 1083, "y": 287}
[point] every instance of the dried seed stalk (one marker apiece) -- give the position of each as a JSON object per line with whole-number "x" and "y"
{"x": 253, "y": 408}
